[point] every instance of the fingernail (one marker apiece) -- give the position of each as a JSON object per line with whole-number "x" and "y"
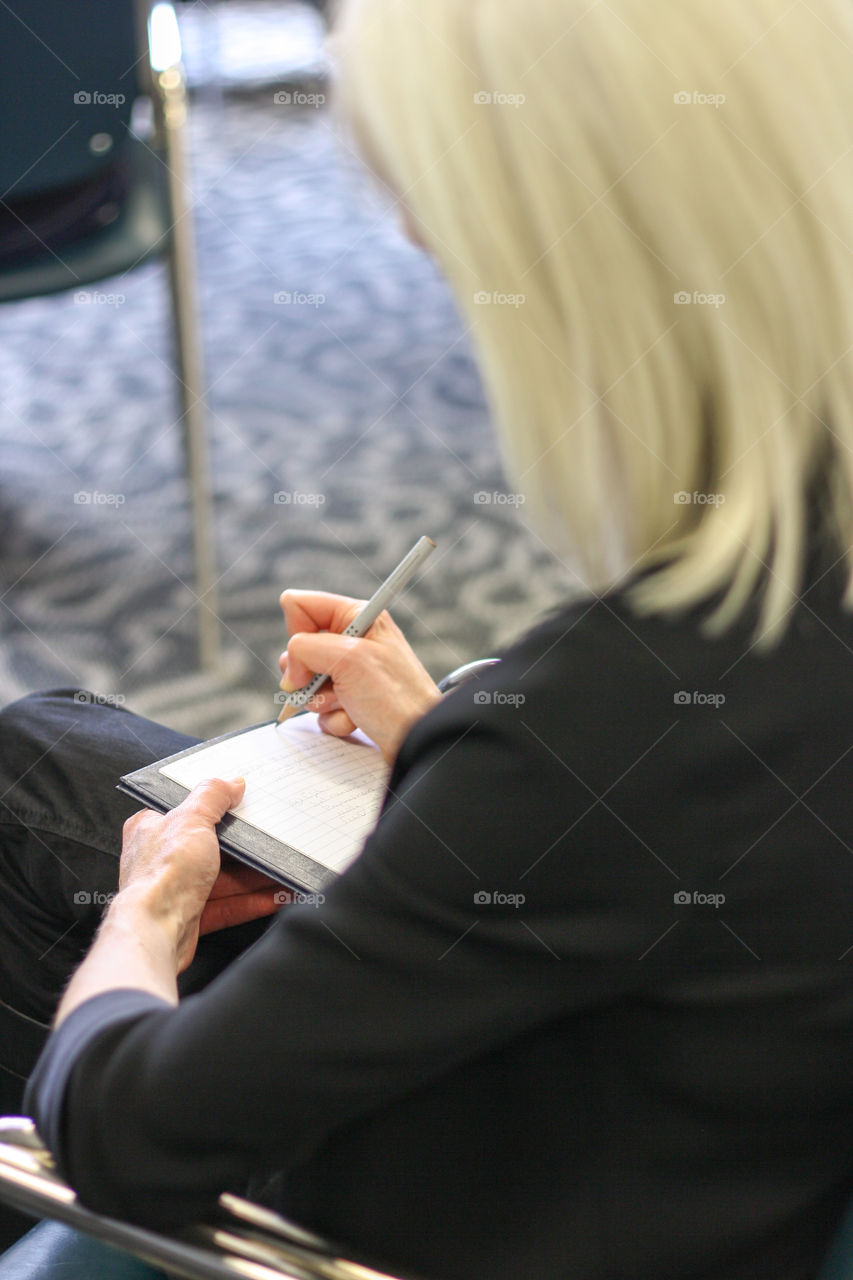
{"x": 287, "y": 685}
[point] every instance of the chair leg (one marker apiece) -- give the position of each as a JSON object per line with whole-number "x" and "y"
{"x": 194, "y": 429}
{"x": 169, "y": 98}
{"x": 182, "y": 276}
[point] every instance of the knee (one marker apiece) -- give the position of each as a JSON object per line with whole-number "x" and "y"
{"x": 50, "y": 743}
{"x": 50, "y": 713}
{"x": 47, "y": 703}
{"x": 30, "y": 727}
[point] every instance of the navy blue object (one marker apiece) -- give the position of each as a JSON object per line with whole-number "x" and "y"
{"x": 69, "y": 74}
{"x": 839, "y": 1260}
{"x": 81, "y": 198}
{"x": 53, "y": 1251}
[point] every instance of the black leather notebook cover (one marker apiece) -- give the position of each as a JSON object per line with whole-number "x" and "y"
{"x": 281, "y": 861}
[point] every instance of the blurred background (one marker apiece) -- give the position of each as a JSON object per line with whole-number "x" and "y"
{"x": 343, "y": 413}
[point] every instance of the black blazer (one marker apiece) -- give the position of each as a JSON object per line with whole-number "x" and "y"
{"x": 584, "y": 1006}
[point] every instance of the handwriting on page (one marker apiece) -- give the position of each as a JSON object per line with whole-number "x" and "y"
{"x": 318, "y": 794}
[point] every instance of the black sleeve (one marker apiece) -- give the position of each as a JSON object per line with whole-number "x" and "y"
{"x": 343, "y": 1008}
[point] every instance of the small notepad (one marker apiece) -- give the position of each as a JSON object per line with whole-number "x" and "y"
{"x": 317, "y": 793}
{"x": 310, "y": 800}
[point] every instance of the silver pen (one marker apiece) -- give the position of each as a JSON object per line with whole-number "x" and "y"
{"x": 391, "y": 587}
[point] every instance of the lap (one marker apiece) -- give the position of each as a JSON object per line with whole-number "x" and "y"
{"x": 61, "y": 755}
{"x": 60, "y": 832}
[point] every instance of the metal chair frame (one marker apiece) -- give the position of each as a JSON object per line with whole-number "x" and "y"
{"x": 246, "y": 1240}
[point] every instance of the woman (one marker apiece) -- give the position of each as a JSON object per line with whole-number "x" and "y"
{"x": 584, "y": 1006}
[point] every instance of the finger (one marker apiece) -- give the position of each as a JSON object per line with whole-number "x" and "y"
{"x": 319, "y": 652}
{"x": 296, "y": 673}
{"x": 318, "y": 610}
{"x": 285, "y": 662}
{"x": 293, "y": 673}
{"x": 225, "y": 913}
{"x": 325, "y": 701}
{"x": 234, "y": 878}
{"x": 211, "y": 800}
{"x": 337, "y": 723}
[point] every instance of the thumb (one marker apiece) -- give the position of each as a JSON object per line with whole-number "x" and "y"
{"x": 212, "y": 799}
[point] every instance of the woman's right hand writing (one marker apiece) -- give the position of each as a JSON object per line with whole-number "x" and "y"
{"x": 376, "y": 683}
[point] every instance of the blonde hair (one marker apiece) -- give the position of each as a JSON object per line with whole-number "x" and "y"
{"x": 656, "y": 196}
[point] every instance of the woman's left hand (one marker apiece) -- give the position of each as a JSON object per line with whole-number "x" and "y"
{"x": 172, "y": 863}
{"x": 240, "y": 894}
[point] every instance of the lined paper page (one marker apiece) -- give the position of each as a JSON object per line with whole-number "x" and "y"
{"x": 320, "y": 795}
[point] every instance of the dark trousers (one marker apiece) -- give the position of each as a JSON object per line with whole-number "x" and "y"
{"x": 61, "y": 755}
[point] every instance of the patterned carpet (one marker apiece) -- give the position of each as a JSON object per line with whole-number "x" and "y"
{"x": 358, "y": 397}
